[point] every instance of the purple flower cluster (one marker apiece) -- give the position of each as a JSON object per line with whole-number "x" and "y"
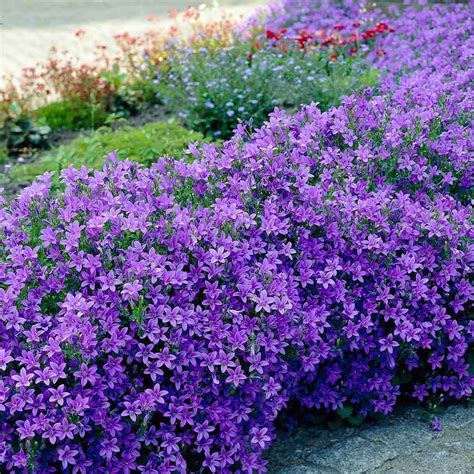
{"x": 297, "y": 15}
{"x": 136, "y": 334}
{"x": 158, "y": 320}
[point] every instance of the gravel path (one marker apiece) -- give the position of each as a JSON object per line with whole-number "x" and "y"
{"x": 29, "y": 28}
{"x": 401, "y": 443}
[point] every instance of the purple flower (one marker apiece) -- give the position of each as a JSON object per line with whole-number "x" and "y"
{"x": 436, "y": 425}
{"x": 5, "y": 358}
{"x": 260, "y": 437}
{"x": 109, "y": 447}
{"x": 387, "y": 344}
{"x": 67, "y": 456}
{"x": 86, "y": 374}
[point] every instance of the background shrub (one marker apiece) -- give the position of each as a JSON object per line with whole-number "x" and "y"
{"x": 141, "y": 144}
{"x": 212, "y": 89}
{"x": 73, "y": 114}
{"x": 18, "y": 131}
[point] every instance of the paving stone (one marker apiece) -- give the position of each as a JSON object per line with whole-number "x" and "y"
{"x": 353, "y": 455}
{"x": 405, "y": 437}
{"x": 399, "y": 444}
{"x": 441, "y": 462}
{"x": 461, "y": 447}
{"x": 306, "y": 470}
{"x": 457, "y": 417}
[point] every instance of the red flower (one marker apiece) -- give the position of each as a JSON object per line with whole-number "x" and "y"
{"x": 369, "y": 34}
{"x": 381, "y": 27}
{"x": 272, "y": 35}
{"x": 352, "y": 38}
{"x": 303, "y": 38}
{"x": 329, "y": 40}
{"x": 339, "y": 27}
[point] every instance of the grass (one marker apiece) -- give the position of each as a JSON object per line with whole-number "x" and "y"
{"x": 143, "y": 145}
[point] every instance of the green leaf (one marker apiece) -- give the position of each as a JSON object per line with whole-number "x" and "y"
{"x": 356, "y": 420}
{"x": 345, "y": 412}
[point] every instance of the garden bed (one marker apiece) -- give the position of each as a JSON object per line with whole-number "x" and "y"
{"x": 166, "y": 313}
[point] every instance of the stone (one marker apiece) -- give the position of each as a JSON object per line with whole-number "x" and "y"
{"x": 457, "y": 417}
{"x": 462, "y": 447}
{"x": 301, "y": 469}
{"x": 405, "y": 436}
{"x": 440, "y": 462}
{"x": 353, "y": 455}
{"x": 402, "y": 443}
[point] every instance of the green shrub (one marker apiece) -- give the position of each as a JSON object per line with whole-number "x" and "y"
{"x": 18, "y": 131}
{"x": 145, "y": 91}
{"x": 143, "y": 145}
{"x": 3, "y": 154}
{"x": 71, "y": 115}
{"x": 76, "y": 114}
{"x": 211, "y": 90}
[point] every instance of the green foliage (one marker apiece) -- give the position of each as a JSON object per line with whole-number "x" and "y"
{"x": 125, "y": 97}
{"x": 3, "y": 154}
{"x": 18, "y": 131}
{"x": 143, "y": 145}
{"x": 146, "y": 91}
{"x": 77, "y": 114}
{"x": 212, "y": 90}
{"x": 71, "y": 114}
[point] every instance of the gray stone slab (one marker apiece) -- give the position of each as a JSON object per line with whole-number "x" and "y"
{"x": 457, "y": 417}
{"x": 441, "y": 462}
{"x": 353, "y": 455}
{"x": 402, "y": 443}
{"x": 301, "y": 469}
{"x": 404, "y": 436}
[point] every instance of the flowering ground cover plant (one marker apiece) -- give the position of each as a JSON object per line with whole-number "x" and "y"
{"x": 159, "y": 320}
{"x": 148, "y": 358}
{"x": 167, "y": 315}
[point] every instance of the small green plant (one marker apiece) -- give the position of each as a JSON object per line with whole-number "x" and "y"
{"x": 19, "y": 132}
{"x": 143, "y": 145}
{"x": 71, "y": 114}
{"x": 3, "y": 154}
{"x": 77, "y": 114}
